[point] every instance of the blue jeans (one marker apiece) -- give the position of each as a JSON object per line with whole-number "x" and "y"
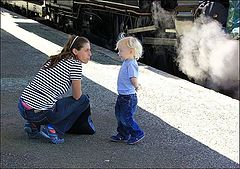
{"x": 63, "y": 115}
{"x": 125, "y": 109}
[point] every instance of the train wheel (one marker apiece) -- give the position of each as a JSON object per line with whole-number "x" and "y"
{"x": 67, "y": 26}
{"x": 52, "y": 17}
{"x": 23, "y": 12}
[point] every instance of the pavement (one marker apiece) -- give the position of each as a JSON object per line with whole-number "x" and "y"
{"x": 186, "y": 125}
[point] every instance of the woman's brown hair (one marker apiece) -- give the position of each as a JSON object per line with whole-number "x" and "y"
{"x": 66, "y": 53}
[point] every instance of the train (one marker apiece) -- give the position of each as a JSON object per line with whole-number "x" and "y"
{"x": 157, "y": 23}
{"x": 26, "y": 7}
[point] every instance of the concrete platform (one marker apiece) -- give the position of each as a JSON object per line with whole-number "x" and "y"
{"x": 186, "y": 125}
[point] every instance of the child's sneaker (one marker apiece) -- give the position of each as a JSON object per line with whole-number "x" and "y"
{"x": 134, "y": 140}
{"x": 32, "y": 130}
{"x": 50, "y": 133}
{"x": 119, "y": 138}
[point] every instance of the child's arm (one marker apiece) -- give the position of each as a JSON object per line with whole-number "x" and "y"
{"x": 134, "y": 82}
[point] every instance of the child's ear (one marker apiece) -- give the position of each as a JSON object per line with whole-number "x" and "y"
{"x": 132, "y": 51}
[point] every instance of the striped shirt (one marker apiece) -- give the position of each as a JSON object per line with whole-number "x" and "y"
{"x": 50, "y": 84}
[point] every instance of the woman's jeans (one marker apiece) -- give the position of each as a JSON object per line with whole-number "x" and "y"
{"x": 63, "y": 116}
{"x": 125, "y": 109}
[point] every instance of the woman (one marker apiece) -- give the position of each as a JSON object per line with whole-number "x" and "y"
{"x": 41, "y": 102}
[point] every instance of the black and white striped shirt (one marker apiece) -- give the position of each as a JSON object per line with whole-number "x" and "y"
{"x": 50, "y": 84}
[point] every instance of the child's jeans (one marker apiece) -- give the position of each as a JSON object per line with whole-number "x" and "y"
{"x": 125, "y": 109}
{"x": 62, "y": 117}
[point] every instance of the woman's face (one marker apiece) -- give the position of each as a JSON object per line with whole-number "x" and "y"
{"x": 84, "y": 54}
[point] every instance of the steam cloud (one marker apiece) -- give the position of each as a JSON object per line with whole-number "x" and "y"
{"x": 206, "y": 53}
{"x": 162, "y": 18}
{"x": 209, "y": 56}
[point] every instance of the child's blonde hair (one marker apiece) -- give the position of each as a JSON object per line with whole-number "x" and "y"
{"x": 132, "y": 43}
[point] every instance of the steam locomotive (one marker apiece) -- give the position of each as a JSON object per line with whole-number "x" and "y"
{"x": 157, "y": 23}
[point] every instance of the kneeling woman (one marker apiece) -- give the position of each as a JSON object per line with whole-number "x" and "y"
{"x": 42, "y": 101}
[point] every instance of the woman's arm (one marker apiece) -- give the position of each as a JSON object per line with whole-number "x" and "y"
{"x": 76, "y": 89}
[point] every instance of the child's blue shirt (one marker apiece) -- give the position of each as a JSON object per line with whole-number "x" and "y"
{"x": 128, "y": 70}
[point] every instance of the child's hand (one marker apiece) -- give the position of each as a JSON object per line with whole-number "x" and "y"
{"x": 138, "y": 87}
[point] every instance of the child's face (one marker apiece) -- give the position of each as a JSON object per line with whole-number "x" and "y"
{"x": 124, "y": 51}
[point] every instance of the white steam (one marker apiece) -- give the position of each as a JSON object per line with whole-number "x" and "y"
{"x": 207, "y": 54}
{"x": 162, "y": 18}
